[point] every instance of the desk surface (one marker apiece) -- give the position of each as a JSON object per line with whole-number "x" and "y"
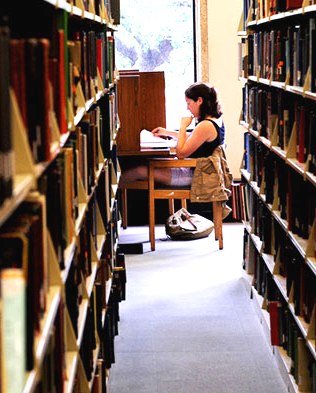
{"x": 148, "y": 152}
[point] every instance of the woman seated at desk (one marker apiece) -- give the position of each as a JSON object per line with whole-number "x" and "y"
{"x": 209, "y": 133}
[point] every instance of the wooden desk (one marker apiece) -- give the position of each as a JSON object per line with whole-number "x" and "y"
{"x": 141, "y": 105}
{"x": 147, "y": 153}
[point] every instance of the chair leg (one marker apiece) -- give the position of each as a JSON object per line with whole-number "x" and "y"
{"x": 184, "y": 203}
{"x": 218, "y": 223}
{"x": 152, "y": 224}
{"x": 171, "y": 206}
{"x": 124, "y": 207}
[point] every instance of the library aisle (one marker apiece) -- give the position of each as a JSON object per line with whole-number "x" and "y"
{"x": 188, "y": 324}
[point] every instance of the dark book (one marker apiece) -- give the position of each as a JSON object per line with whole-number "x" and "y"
{"x": 111, "y": 58}
{"x": 72, "y": 292}
{"x": 312, "y": 53}
{"x": 280, "y": 5}
{"x": 38, "y": 99}
{"x": 82, "y": 37}
{"x": 280, "y": 57}
{"x": 272, "y": 39}
{"x": 92, "y": 61}
{"x": 115, "y": 11}
{"x": 312, "y": 144}
{"x": 87, "y": 130}
{"x": 301, "y": 151}
{"x": 59, "y": 350}
{"x": 50, "y": 185}
{"x": 250, "y": 51}
{"x": 65, "y": 160}
{"x": 17, "y": 75}
{"x": 74, "y": 49}
{"x": 85, "y": 248}
{"x": 72, "y": 143}
{"x": 6, "y": 146}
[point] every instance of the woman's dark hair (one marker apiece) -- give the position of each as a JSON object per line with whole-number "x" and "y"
{"x": 210, "y": 105}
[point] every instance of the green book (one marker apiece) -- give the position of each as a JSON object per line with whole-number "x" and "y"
{"x": 13, "y": 336}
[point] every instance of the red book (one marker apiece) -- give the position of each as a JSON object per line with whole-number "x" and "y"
{"x": 292, "y": 4}
{"x": 274, "y": 307}
{"x": 272, "y": 7}
{"x": 99, "y": 50}
{"x": 62, "y": 111}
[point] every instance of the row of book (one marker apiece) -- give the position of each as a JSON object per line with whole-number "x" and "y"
{"x": 284, "y": 330}
{"x": 283, "y": 55}
{"x": 25, "y": 281}
{"x": 286, "y": 120}
{"x": 283, "y": 187}
{"x": 259, "y": 9}
{"x": 51, "y": 79}
{"x": 60, "y": 286}
{"x": 298, "y": 280}
{"x": 111, "y": 8}
{"x": 286, "y": 335}
{"x": 284, "y": 273}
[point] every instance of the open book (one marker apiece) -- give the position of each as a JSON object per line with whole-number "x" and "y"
{"x": 150, "y": 141}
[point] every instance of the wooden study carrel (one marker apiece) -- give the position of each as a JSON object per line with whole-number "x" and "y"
{"x": 141, "y": 105}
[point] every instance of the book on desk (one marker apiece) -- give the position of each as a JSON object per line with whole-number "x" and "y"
{"x": 149, "y": 141}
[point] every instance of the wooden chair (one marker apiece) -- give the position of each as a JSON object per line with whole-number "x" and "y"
{"x": 171, "y": 193}
{"x": 140, "y": 185}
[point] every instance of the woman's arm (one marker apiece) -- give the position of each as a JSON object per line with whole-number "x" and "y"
{"x": 204, "y": 131}
{"x": 161, "y": 131}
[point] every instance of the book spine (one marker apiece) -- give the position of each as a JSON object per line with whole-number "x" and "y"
{"x": 62, "y": 105}
{"x": 6, "y": 150}
{"x": 17, "y": 79}
{"x": 274, "y": 322}
{"x": 13, "y": 295}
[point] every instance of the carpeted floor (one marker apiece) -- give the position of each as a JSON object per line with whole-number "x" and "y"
{"x": 188, "y": 324}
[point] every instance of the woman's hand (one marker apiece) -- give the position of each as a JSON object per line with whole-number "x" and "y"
{"x": 186, "y": 121}
{"x": 160, "y": 131}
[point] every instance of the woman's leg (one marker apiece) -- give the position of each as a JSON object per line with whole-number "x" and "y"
{"x": 130, "y": 175}
{"x": 133, "y": 174}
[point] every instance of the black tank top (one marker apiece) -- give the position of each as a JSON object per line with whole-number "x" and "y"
{"x": 207, "y": 148}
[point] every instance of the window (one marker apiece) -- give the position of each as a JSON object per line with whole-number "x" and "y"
{"x": 159, "y": 36}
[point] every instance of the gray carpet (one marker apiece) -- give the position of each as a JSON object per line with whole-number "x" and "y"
{"x": 188, "y": 324}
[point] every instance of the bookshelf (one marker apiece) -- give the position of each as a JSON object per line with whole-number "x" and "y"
{"x": 277, "y": 194}
{"x": 62, "y": 275}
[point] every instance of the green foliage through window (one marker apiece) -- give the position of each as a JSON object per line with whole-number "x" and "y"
{"x": 158, "y": 36}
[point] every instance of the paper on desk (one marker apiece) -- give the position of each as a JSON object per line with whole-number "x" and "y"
{"x": 149, "y": 140}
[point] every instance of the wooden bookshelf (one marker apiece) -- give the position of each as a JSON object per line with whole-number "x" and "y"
{"x": 277, "y": 190}
{"x": 59, "y": 177}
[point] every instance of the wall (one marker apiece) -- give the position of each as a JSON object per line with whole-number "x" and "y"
{"x": 223, "y": 22}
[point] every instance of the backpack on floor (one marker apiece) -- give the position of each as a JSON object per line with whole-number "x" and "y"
{"x": 183, "y": 225}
